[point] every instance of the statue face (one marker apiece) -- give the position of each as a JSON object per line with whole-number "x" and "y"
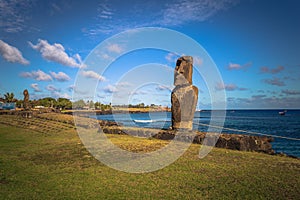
{"x": 183, "y": 72}
{"x": 179, "y": 78}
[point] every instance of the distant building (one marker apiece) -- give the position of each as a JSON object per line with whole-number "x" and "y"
{"x": 39, "y": 107}
{"x": 85, "y": 107}
{"x": 7, "y": 106}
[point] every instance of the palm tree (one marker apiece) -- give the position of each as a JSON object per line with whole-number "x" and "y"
{"x": 9, "y": 97}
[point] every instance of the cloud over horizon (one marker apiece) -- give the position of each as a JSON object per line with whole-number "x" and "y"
{"x": 164, "y": 88}
{"x": 228, "y": 87}
{"x": 263, "y": 101}
{"x": 114, "y": 48}
{"x": 274, "y": 81}
{"x": 60, "y": 76}
{"x": 12, "y": 54}
{"x": 52, "y": 88}
{"x": 235, "y": 66}
{"x": 93, "y": 75}
{"x": 268, "y": 70}
{"x": 110, "y": 89}
{"x": 35, "y": 87}
{"x": 291, "y": 92}
{"x": 38, "y": 75}
{"x": 56, "y": 53}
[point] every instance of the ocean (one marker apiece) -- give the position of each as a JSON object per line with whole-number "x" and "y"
{"x": 284, "y": 128}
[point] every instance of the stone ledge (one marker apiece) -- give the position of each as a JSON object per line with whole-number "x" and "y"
{"x": 228, "y": 141}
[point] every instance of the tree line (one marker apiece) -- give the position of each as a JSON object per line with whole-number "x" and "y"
{"x": 59, "y": 103}
{"x": 67, "y": 104}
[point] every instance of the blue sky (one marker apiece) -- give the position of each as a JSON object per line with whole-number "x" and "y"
{"x": 254, "y": 44}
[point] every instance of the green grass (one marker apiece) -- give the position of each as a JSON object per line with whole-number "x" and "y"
{"x": 55, "y": 165}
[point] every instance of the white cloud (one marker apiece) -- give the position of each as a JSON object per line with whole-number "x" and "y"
{"x": 105, "y": 12}
{"x": 172, "y": 57}
{"x": 37, "y": 75}
{"x": 52, "y": 88}
{"x": 164, "y": 87}
{"x": 55, "y": 8}
{"x": 114, "y": 48}
{"x": 123, "y": 84}
{"x": 139, "y": 92}
{"x": 291, "y": 92}
{"x": 182, "y": 11}
{"x": 110, "y": 89}
{"x": 60, "y": 76}
{"x": 235, "y": 66}
{"x": 35, "y": 87}
{"x": 228, "y": 87}
{"x": 262, "y": 101}
{"x": 92, "y": 74}
{"x": 64, "y": 95}
{"x": 56, "y": 94}
{"x": 106, "y": 56}
{"x": 71, "y": 88}
{"x": 170, "y": 13}
{"x": 271, "y": 71}
{"x": 56, "y": 53}
{"x": 12, "y": 54}
{"x": 197, "y": 61}
{"x": 14, "y": 14}
{"x": 274, "y": 81}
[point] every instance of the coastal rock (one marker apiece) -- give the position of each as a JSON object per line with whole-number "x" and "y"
{"x": 227, "y": 141}
{"x": 184, "y": 96}
{"x": 245, "y": 143}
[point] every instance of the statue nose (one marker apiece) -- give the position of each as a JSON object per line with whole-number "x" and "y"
{"x": 181, "y": 71}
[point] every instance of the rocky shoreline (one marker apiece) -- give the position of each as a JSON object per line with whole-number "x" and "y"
{"x": 228, "y": 141}
{"x": 238, "y": 142}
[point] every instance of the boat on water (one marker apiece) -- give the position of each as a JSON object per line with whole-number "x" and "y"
{"x": 142, "y": 121}
{"x": 282, "y": 112}
{"x": 198, "y": 110}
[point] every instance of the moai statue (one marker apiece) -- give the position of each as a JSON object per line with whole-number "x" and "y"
{"x": 26, "y": 100}
{"x": 184, "y": 96}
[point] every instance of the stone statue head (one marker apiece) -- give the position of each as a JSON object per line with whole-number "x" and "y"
{"x": 183, "y": 71}
{"x": 26, "y": 96}
{"x": 25, "y": 93}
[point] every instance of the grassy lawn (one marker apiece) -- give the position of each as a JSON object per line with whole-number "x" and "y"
{"x": 55, "y": 165}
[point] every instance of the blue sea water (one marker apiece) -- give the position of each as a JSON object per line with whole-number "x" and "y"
{"x": 256, "y": 121}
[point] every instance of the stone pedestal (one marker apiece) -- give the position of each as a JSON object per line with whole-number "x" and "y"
{"x": 184, "y": 96}
{"x": 26, "y": 114}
